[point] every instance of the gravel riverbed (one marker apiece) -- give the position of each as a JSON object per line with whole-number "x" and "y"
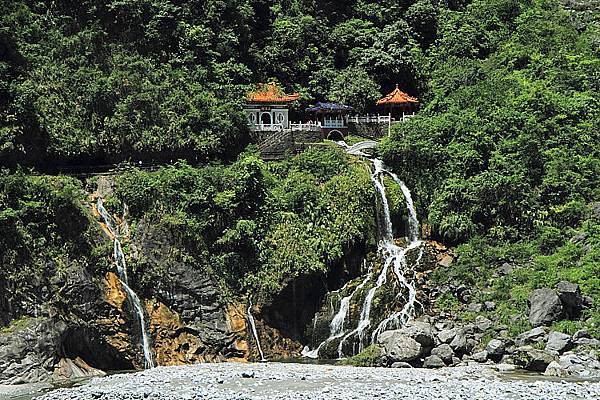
{"x": 306, "y": 381}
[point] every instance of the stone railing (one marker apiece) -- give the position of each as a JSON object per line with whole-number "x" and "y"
{"x": 378, "y": 119}
{"x": 334, "y": 123}
{"x": 368, "y": 119}
{"x": 308, "y": 126}
{"x": 266, "y": 127}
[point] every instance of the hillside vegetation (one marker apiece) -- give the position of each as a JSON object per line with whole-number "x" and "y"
{"x": 96, "y": 82}
{"x": 255, "y": 227}
{"x": 503, "y": 159}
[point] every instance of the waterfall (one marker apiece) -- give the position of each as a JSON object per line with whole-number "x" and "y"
{"x": 365, "y": 315}
{"x": 255, "y": 332}
{"x": 119, "y": 260}
{"x": 392, "y": 256}
{"x": 336, "y": 327}
{"x": 395, "y": 254}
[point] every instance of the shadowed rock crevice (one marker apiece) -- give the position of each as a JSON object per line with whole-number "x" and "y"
{"x": 81, "y": 342}
{"x": 295, "y": 307}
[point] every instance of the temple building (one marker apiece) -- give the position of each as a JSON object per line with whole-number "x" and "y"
{"x": 267, "y": 108}
{"x": 399, "y": 105}
{"x": 332, "y": 118}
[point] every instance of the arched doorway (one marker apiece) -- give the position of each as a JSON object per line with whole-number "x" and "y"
{"x": 266, "y": 119}
{"x": 335, "y": 135}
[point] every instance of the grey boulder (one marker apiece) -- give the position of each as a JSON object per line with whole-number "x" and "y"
{"x": 447, "y": 335}
{"x": 433, "y": 362}
{"x": 534, "y": 335}
{"x": 533, "y": 359}
{"x": 571, "y": 298}
{"x": 558, "y": 342}
{"x": 401, "y": 365}
{"x": 459, "y": 342}
{"x": 574, "y": 365}
{"x": 545, "y": 307}
{"x": 443, "y": 351}
{"x": 480, "y": 356}
{"x": 495, "y": 349}
{"x": 419, "y": 331}
{"x": 482, "y": 323}
{"x": 398, "y": 347}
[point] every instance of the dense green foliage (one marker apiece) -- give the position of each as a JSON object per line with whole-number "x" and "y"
{"x": 44, "y": 233}
{"x": 256, "y": 226}
{"x": 508, "y": 143}
{"x": 505, "y": 157}
{"x": 107, "y": 81}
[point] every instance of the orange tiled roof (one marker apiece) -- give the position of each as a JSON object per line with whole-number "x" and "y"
{"x": 270, "y": 93}
{"x": 397, "y": 96}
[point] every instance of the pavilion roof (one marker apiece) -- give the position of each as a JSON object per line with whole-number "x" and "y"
{"x": 270, "y": 93}
{"x": 397, "y": 96}
{"x": 329, "y": 107}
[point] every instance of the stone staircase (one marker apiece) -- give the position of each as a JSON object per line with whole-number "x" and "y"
{"x": 276, "y": 145}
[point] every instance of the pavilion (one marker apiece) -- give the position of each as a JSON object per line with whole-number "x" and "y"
{"x": 333, "y": 119}
{"x": 267, "y": 108}
{"x": 399, "y": 105}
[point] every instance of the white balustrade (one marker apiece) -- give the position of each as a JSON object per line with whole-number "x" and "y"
{"x": 314, "y": 126}
{"x": 380, "y": 119}
{"x": 309, "y": 126}
{"x": 266, "y": 127}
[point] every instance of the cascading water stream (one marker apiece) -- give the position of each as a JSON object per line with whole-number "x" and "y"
{"x": 396, "y": 255}
{"x": 365, "y": 315}
{"x": 255, "y": 332}
{"x": 119, "y": 259}
{"x": 393, "y": 256}
{"x": 336, "y": 327}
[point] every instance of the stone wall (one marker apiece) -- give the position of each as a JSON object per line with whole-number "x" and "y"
{"x": 276, "y": 145}
{"x": 308, "y": 136}
{"x": 371, "y": 130}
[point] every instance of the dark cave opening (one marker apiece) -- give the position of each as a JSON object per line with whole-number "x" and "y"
{"x": 93, "y": 349}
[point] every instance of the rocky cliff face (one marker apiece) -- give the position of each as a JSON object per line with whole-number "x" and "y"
{"x": 79, "y": 320}
{"x": 76, "y": 319}
{"x": 84, "y": 319}
{"x": 190, "y": 321}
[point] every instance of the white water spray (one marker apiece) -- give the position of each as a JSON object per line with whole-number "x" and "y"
{"x": 255, "y": 332}
{"x": 393, "y": 256}
{"x": 119, "y": 259}
{"x": 336, "y": 327}
{"x": 365, "y": 315}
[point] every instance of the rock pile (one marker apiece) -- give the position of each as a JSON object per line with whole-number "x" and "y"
{"x": 434, "y": 343}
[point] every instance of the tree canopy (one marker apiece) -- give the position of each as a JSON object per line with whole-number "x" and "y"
{"x": 124, "y": 80}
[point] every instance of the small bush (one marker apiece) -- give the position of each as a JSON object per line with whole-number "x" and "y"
{"x": 369, "y": 357}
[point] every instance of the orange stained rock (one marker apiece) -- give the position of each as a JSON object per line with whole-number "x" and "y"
{"x": 115, "y": 295}
{"x": 236, "y": 323}
{"x": 236, "y": 318}
{"x": 397, "y": 96}
{"x": 270, "y": 93}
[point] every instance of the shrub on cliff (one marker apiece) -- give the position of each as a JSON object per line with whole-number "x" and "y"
{"x": 258, "y": 226}
{"x": 44, "y": 232}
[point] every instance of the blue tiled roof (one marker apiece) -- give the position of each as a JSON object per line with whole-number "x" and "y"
{"x": 329, "y": 107}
